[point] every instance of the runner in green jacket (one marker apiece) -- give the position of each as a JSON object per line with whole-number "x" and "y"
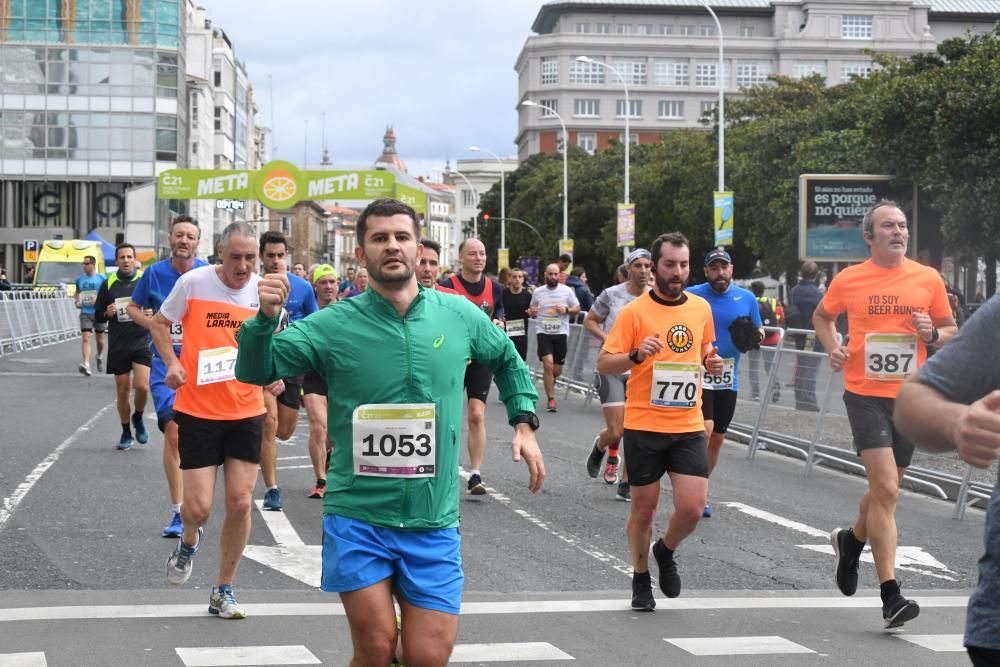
{"x": 394, "y": 359}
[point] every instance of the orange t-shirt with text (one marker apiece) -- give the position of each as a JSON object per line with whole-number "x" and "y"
{"x": 658, "y": 403}
{"x": 880, "y": 303}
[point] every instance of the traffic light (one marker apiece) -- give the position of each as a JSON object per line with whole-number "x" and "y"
{"x": 486, "y": 217}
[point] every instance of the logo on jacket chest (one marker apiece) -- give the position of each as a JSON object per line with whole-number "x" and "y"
{"x": 680, "y": 338}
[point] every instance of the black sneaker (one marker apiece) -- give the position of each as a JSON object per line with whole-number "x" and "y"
{"x": 670, "y": 581}
{"x": 845, "y": 570}
{"x": 624, "y": 492}
{"x": 595, "y": 459}
{"x": 476, "y": 487}
{"x": 642, "y": 592}
{"x": 899, "y": 611}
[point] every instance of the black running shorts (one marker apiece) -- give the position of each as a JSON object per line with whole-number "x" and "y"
{"x": 477, "y": 381}
{"x": 313, "y": 383}
{"x": 120, "y": 363}
{"x": 209, "y": 442}
{"x": 719, "y": 406}
{"x": 292, "y": 396}
{"x": 872, "y": 426}
{"x": 649, "y": 455}
{"x": 554, "y": 344}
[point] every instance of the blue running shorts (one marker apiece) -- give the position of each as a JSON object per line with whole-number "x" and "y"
{"x": 426, "y": 565}
{"x": 163, "y": 396}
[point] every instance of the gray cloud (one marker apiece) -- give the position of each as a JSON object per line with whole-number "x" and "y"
{"x": 441, "y": 72}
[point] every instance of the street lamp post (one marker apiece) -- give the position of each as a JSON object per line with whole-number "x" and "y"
{"x": 722, "y": 115}
{"x": 528, "y": 225}
{"x": 565, "y": 152}
{"x": 628, "y": 112}
{"x": 475, "y": 195}
{"x": 503, "y": 198}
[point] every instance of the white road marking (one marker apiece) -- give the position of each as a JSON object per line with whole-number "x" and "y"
{"x": 290, "y": 555}
{"x": 22, "y": 660}
{"x": 762, "y": 645}
{"x": 911, "y": 559}
{"x": 224, "y": 656}
{"x": 197, "y": 610}
{"x": 939, "y": 643}
{"x": 572, "y": 540}
{"x": 290, "y": 458}
{"x": 11, "y": 502}
{"x": 510, "y": 652}
{"x": 292, "y": 467}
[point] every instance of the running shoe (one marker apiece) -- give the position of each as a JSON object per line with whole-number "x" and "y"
{"x": 845, "y": 570}
{"x": 899, "y": 611}
{"x": 611, "y": 470}
{"x": 223, "y": 603}
{"x": 776, "y": 396}
{"x": 272, "y": 500}
{"x": 179, "y": 564}
{"x": 595, "y": 458}
{"x": 317, "y": 491}
{"x": 84, "y": 369}
{"x": 476, "y": 486}
{"x": 642, "y": 592}
{"x": 552, "y": 405}
{"x": 755, "y": 396}
{"x": 125, "y": 442}
{"x": 141, "y": 434}
{"x": 624, "y": 492}
{"x": 670, "y": 581}
{"x": 175, "y": 528}
{"x": 100, "y": 365}
{"x": 707, "y": 512}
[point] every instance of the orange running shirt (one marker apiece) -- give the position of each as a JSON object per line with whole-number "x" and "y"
{"x": 212, "y": 314}
{"x": 670, "y": 402}
{"x": 884, "y": 346}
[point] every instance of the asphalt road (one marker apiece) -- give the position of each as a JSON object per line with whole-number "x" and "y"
{"x": 547, "y": 574}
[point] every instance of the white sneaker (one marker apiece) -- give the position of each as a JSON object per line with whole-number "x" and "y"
{"x": 180, "y": 562}
{"x": 223, "y": 603}
{"x": 84, "y": 369}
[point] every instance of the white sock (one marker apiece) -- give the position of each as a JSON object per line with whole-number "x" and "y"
{"x": 473, "y": 472}
{"x": 175, "y": 508}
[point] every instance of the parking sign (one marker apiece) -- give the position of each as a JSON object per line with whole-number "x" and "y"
{"x": 30, "y": 251}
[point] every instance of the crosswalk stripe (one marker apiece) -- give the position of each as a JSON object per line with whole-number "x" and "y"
{"x": 507, "y": 652}
{"x": 230, "y": 656}
{"x": 939, "y": 643}
{"x": 760, "y": 645}
{"x": 22, "y": 660}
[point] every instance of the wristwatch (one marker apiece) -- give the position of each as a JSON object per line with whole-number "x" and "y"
{"x": 633, "y": 356}
{"x": 934, "y": 337}
{"x": 531, "y": 419}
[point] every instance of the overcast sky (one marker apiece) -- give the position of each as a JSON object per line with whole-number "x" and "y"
{"x": 441, "y": 72}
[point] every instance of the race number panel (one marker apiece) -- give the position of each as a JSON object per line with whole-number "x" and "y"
{"x": 890, "y": 356}
{"x": 395, "y": 440}
{"x": 88, "y": 297}
{"x": 675, "y": 385}
{"x": 216, "y": 365}
{"x": 551, "y": 325}
{"x": 176, "y": 333}
{"x": 723, "y": 380}
{"x": 121, "y": 309}
{"x": 515, "y": 328}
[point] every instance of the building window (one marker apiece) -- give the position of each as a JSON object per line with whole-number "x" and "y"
{"x": 706, "y": 75}
{"x": 706, "y": 30}
{"x": 624, "y": 28}
{"x": 195, "y": 99}
{"x": 707, "y": 106}
{"x": 218, "y": 118}
{"x": 468, "y": 198}
{"x": 671, "y": 109}
{"x": 580, "y": 72}
{"x": 635, "y": 109}
{"x": 552, "y": 108}
{"x": 286, "y": 225}
{"x": 550, "y": 70}
{"x": 587, "y": 141}
{"x": 848, "y": 70}
{"x": 853, "y": 26}
{"x": 589, "y": 108}
{"x": 752, "y": 72}
{"x": 583, "y": 27}
{"x": 603, "y": 28}
{"x": 218, "y": 79}
{"x": 666, "y": 29}
{"x": 804, "y": 68}
{"x": 746, "y": 31}
{"x": 670, "y": 72}
{"x": 632, "y": 70}
{"x": 685, "y": 30}
{"x": 645, "y": 28}
{"x": 633, "y": 137}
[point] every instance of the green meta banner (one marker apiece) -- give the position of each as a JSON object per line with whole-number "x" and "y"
{"x": 277, "y": 185}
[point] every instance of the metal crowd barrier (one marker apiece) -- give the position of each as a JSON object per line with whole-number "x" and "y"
{"x": 581, "y": 359}
{"x": 34, "y": 319}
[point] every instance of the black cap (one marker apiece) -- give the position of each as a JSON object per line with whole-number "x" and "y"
{"x": 566, "y": 257}
{"x": 716, "y": 255}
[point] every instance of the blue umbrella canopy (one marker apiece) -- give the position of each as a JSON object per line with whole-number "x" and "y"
{"x": 107, "y": 249}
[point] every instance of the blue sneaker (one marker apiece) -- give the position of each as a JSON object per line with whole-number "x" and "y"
{"x": 707, "y": 512}
{"x": 125, "y": 442}
{"x": 223, "y": 604}
{"x": 175, "y": 528}
{"x": 272, "y": 499}
{"x": 141, "y": 434}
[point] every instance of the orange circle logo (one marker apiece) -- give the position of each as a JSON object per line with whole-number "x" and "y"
{"x": 679, "y": 338}
{"x": 279, "y": 185}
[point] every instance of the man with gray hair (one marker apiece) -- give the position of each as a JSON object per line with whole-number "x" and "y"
{"x": 220, "y": 420}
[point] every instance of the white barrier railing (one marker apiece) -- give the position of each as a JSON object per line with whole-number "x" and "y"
{"x": 34, "y": 319}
